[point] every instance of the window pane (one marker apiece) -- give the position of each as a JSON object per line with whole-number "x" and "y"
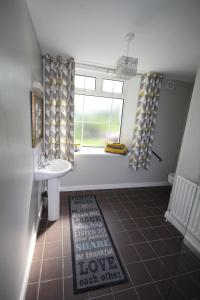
{"x": 90, "y": 83}
{"x": 118, "y": 87}
{"x": 98, "y": 119}
{"x": 97, "y": 109}
{"x": 79, "y": 82}
{"x": 115, "y": 123}
{"x": 95, "y": 135}
{"x": 85, "y": 82}
{"x": 77, "y": 133}
{"x": 108, "y": 86}
{"x": 78, "y": 107}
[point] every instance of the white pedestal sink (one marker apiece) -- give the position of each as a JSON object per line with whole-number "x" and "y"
{"x": 52, "y": 172}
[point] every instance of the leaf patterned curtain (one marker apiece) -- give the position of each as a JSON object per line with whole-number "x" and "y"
{"x": 59, "y": 107}
{"x": 148, "y": 101}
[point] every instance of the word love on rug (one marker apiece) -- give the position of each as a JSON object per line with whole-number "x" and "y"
{"x": 96, "y": 262}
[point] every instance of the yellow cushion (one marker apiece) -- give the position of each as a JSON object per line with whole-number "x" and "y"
{"x": 123, "y": 151}
{"x": 115, "y": 145}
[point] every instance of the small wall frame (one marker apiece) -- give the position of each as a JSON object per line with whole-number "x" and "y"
{"x": 36, "y": 118}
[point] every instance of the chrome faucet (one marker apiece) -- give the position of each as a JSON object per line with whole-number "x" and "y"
{"x": 43, "y": 160}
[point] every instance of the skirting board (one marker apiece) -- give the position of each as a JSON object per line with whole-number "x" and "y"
{"x": 30, "y": 256}
{"x": 112, "y": 186}
{"x": 189, "y": 239}
{"x": 174, "y": 222}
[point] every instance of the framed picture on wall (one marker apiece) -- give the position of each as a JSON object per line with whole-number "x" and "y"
{"x": 36, "y": 118}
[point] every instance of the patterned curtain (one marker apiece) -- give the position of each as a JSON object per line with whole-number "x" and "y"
{"x": 59, "y": 107}
{"x": 148, "y": 101}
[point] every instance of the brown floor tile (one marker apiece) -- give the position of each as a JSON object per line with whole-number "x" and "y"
{"x": 54, "y": 234}
{"x": 31, "y": 292}
{"x": 54, "y": 224}
{"x": 38, "y": 252}
{"x": 121, "y": 238}
{"x": 51, "y": 290}
{"x": 106, "y": 297}
{"x": 67, "y": 248}
{"x": 51, "y": 269}
{"x": 143, "y": 207}
{"x": 196, "y": 276}
{"x": 188, "y": 287}
{"x": 129, "y": 254}
{"x": 160, "y": 248}
{"x": 122, "y": 214}
{"x": 117, "y": 206}
{"x": 35, "y": 272}
{"x": 123, "y": 286}
{"x": 129, "y": 294}
{"x": 163, "y": 232}
{"x": 141, "y": 222}
{"x": 150, "y": 234}
{"x": 174, "y": 245}
{"x": 100, "y": 292}
{"x": 156, "y": 269}
{"x": 154, "y": 221}
{"x": 148, "y": 292}
{"x": 67, "y": 266}
{"x": 136, "y": 236}
{"x": 169, "y": 290}
{"x": 53, "y": 250}
{"x": 138, "y": 273}
{"x": 128, "y": 205}
{"x": 135, "y": 213}
{"x": 69, "y": 293}
{"x": 115, "y": 226}
{"x": 172, "y": 264}
{"x": 128, "y": 224}
{"x": 145, "y": 251}
{"x": 43, "y": 224}
{"x": 189, "y": 262}
{"x": 40, "y": 236}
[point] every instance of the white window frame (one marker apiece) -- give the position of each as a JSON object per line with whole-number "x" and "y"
{"x": 98, "y": 92}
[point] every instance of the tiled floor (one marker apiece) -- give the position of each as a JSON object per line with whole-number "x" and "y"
{"x": 156, "y": 262}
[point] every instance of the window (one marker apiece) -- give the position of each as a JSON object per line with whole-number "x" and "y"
{"x": 85, "y": 82}
{"x": 112, "y": 86}
{"x": 97, "y": 116}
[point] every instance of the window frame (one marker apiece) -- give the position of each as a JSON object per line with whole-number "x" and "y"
{"x": 84, "y": 89}
{"x": 123, "y": 83}
{"x": 98, "y": 92}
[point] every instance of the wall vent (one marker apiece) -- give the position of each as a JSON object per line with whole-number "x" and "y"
{"x": 170, "y": 84}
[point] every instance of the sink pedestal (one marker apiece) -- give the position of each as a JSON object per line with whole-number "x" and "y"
{"x": 53, "y": 199}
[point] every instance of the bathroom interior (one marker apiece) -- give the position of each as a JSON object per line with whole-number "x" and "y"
{"x": 100, "y": 113}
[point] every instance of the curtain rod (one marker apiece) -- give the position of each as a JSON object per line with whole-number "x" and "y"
{"x": 108, "y": 69}
{"x": 90, "y": 66}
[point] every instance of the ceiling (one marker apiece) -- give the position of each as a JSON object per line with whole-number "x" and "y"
{"x": 167, "y": 32}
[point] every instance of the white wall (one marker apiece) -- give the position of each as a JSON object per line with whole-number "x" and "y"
{"x": 19, "y": 66}
{"x": 189, "y": 159}
{"x": 102, "y": 170}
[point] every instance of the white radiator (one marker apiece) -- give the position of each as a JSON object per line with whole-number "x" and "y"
{"x": 182, "y": 200}
{"x": 193, "y": 228}
{"x": 184, "y": 210}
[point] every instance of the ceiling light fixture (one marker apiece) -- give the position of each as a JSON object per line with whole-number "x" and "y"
{"x": 126, "y": 65}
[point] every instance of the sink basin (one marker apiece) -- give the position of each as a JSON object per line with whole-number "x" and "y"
{"x": 52, "y": 172}
{"x": 56, "y": 168}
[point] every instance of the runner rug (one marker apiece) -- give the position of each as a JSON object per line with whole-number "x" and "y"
{"x": 96, "y": 262}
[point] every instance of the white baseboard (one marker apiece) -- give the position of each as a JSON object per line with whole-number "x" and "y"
{"x": 189, "y": 238}
{"x": 112, "y": 186}
{"x": 174, "y": 222}
{"x": 192, "y": 243}
{"x": 30, "y": 255}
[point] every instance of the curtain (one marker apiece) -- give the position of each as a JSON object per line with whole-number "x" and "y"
{"x": 59, "y": 107}
{"x": 148, "y": 101}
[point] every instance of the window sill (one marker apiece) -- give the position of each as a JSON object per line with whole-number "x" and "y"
{"x": 91, "y": 151}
